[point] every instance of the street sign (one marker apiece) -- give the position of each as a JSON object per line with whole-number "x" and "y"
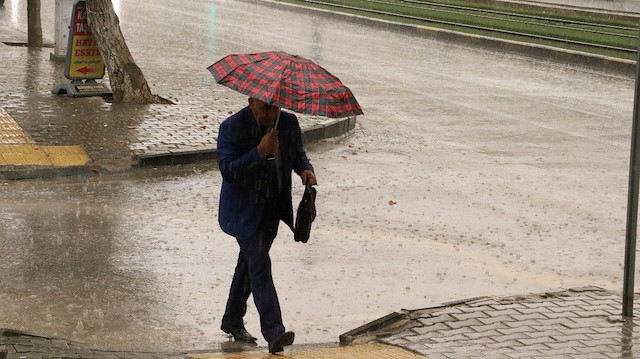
{"x": 84, "y": 63}
{"x": 84, "y": 60}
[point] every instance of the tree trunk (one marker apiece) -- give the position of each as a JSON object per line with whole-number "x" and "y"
{"x": 127, "y": 81}
{"x": 34, "y": 25}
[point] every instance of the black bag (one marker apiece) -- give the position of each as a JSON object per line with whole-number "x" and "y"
{"x": 306, "y": 214}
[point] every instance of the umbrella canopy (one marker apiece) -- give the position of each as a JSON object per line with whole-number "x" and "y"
{"x": 287, "y": 81}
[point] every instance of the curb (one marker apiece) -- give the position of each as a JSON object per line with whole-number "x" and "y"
{"x": 15, "y": 173}
{"x": 593, "y": 61}
{"x": 331, "y": 128}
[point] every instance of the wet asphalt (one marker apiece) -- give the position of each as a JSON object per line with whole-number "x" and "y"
{"x": 472, "y": 173}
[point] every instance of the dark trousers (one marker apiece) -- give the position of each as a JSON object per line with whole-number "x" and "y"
{"x": 253, "y": 276}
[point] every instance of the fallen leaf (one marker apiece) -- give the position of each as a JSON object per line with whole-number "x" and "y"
{"x": 354, "y": 153}
{"x": 230, "y": 112}
{"x": 205, "y": 116}
{"x": 95, "y": 170}
{"x": 344, "y": 157}
{"x": 64, "y": 126}
{"x": 350, "y": 146}
{"x": 391, "y": 203}
{"x": 170, "y": 134}
{"x": 203, "y": 127}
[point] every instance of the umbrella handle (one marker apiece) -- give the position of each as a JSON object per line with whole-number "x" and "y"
{"x": 275, "y": 126}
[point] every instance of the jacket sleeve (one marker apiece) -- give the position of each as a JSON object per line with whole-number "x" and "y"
{"x": 235, "y": 166}
{"x": 301, "y": 162}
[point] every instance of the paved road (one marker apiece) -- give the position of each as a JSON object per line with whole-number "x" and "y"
{"x": 472, "y": 173}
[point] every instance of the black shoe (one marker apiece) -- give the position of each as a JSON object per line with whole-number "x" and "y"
{"x": 240, "y": 334}
{"x": 281, "y": 341}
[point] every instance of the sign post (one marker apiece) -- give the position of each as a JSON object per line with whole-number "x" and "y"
{"x": 84, "y": 63}
{"x": 64, "y": 9}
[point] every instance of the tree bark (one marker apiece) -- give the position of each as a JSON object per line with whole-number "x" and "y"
{"x": 127, "y": 81}
{"x": 34, "y": 25}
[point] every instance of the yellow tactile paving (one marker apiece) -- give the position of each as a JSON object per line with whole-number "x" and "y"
{"x": 17, "y": 149}
{"x": 10, "y": 131}
{"x": 25, "y": 155}
{"x": 64, "y": 156}
{"x": 366, "y": 351}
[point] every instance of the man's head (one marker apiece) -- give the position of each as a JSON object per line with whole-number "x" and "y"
{"x": 264, "y": 113}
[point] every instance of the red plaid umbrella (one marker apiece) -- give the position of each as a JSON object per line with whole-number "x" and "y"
{"x": 287, "y": 81}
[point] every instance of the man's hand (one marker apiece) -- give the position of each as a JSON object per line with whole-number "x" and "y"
{"x": 308, "y": 176}
{"x": 269, "y": 143}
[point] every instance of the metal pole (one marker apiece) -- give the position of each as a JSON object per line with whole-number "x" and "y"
{"x": 632, "y": 206}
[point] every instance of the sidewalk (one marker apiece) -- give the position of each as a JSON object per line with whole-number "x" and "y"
{"x": 572, "y": 323}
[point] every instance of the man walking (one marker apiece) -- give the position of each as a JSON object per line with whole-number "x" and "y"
{"x": 256, "y": 161}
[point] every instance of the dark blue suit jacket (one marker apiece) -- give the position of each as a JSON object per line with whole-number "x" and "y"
{"x": 246, "y": 176}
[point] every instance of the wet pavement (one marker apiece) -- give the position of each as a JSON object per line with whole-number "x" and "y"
{"x": 473, "y": 173}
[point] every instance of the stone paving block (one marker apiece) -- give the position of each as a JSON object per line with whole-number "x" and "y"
{"x": 447, "y": 338}
{"x": 507, "y": 344}
{"x": 543, "y": 334}
{"x": 434, "y": 355}
{"x": 598, "y": 306}
{"x": 514, "y": 336}
{"x": 519, "y": 323}
{"x": 483, "y": 334}
{"x": 538, "y": 304}
{"x": 598, "y": 348}
{"x": 570, "y": 301}
{"x": 570, "y": 338}
{"x": 583, "y": 330}
{"x": 530, "y": 310}
{"x": 497, "y": 319}
{"x": 498, "y": 313}
{"x": 559, "y": 352}
{"x": 471, "y": 315}
{"x": 512, "y": 330}
{"x": 605, "y": 327}
{"x": 431, "y": 328}
{"x": 497, "y": 325}
{"x": 526, "y": 317}
{"x": 586, "y": 356}
{"x": 606, "y": 335}
{"x": 532, "y": 341}
{"x": 581, "y": 322}
{"x": 524, "y": 354}
{"x": 552, "y": 315}
{"x": 464, "y": 323}
{"x": 425, "y": 339}
{"x": 506, "y": 306}
{"x": 565, "y": 308}
{"x": 463, "y": 330}
{"x": 565, "y": 344}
